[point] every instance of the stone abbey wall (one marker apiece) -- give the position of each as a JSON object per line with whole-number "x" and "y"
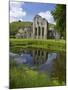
{"x": 39, "y": 30}
{"x": 40, "y": 26}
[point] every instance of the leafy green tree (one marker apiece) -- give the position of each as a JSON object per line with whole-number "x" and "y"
{"x": 14, "y": 27}
{"x": 60, "y": 17}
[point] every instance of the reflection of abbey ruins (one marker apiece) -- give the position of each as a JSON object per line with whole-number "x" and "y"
{"x": 39, "y": 30}
{"x": 34, "y": 57}
{"x": 38, "y": 56}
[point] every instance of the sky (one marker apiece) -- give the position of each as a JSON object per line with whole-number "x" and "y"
{"x": 25, "y": 11}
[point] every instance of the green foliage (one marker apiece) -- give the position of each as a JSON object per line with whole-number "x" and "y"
{"x": 59, "y": 68}
{"x": 14, "y": 26}
{"x": 51, "y": 25}
{"x": 60, "y": 17}
{"x": 23, "y": 77}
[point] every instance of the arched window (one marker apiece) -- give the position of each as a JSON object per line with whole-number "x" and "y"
{"x": 35, "y": 31}
{"x": 37, "y": 22}
{"x": 42, "y": 31}
{"x": 39, "y": 31}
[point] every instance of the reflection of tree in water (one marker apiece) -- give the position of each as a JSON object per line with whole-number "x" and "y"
{"x": 59, "y": 65}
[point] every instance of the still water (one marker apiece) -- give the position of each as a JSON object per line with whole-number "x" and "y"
{"x": 53, "y": 63}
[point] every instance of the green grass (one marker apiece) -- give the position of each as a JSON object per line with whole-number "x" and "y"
{"x": 23, "y": 77}
{"x": 58, "y": 45}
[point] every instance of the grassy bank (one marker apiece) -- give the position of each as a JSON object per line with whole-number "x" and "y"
{"x": 23, "y": 77}
{"x": 58, "y": 45}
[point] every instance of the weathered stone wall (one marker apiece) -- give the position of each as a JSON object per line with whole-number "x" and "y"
{"x": 38, "y": 30}
{"x": 40, "y": 27}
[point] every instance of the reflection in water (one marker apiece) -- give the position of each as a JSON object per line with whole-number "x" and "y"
{"x": 42, "y": 61}
{"x": 48, "y": 66}
{"x": 59, "y": 70}
{"x": 38, "y": 59}
{"x": 32, "y": 57}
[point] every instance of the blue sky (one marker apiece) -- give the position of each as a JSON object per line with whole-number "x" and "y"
{"x": 25, "y": 11}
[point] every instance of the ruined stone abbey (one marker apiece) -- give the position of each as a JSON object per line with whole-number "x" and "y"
{"x": 40, "y": 27}
{"x": 39, "y": 30}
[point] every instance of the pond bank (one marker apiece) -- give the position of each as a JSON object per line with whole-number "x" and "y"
{"x": 55, "y": 45}
{"x": 23, "y": 77}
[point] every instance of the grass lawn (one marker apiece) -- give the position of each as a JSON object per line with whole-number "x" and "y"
{"x": 50, "y": 44}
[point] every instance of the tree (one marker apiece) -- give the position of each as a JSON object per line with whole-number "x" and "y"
{"x": 15, "y": 26}
{"x": 60, "y": 17}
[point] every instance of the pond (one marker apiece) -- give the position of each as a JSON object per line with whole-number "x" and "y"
{"x": 43, "y": 61}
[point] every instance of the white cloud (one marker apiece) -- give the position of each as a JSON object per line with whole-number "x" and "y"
{"x": 16, "y": 11}
{"x": 48, "y": 16}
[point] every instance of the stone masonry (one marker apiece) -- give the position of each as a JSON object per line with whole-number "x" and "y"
{"x": 40, "y": 26}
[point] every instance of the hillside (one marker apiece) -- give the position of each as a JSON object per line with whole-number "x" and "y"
{"x": 14, "y": 26}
